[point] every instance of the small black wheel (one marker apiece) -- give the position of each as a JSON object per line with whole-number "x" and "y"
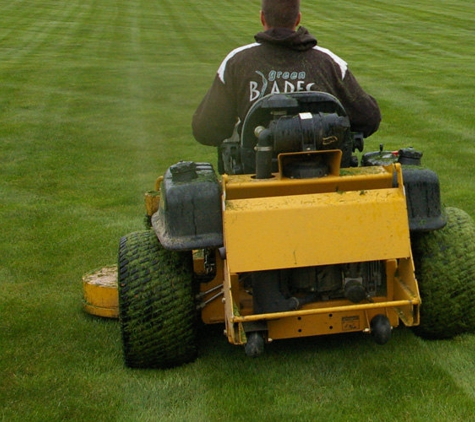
{"x": 156, "y": 303}
{"x": 445, "y": 269}
{"x": 255, "y": 344}
{"x": 381, "y": 329}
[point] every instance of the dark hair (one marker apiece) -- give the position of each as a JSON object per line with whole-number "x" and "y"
{"x": 281, "y": 13}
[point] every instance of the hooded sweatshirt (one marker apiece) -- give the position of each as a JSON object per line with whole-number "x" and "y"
{"x": 281, "y": 60}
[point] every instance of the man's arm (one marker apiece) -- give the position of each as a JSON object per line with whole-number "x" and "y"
{"x": 215, "y": 117}
{"x": 362, "y": 108}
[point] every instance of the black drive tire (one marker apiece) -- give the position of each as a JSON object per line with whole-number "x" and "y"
{"x": 445, "y": 270}
{"x": 156, "y": 303}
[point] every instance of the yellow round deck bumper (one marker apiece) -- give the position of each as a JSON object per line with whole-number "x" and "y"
{"x": 100, "y": 292}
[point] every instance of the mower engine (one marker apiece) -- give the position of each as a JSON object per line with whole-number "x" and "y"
{"x": 288, "y": 123}
{"x": 285, "y": 290}
{"x": 303, "y": 132}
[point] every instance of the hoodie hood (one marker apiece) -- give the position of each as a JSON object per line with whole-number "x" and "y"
{"x": 299, "y": 40}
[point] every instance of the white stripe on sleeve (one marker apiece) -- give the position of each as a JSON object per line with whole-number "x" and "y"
{"x": 222, "y": 68}
{"x": 339, "y": 61}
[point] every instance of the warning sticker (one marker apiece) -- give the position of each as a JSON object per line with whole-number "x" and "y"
{"x": 350, "y": 323}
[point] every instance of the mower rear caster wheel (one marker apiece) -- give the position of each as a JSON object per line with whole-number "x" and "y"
{"x": 445, "y": 269}
{"x": 381, "y": 329}
{"x": 156, "y": 303}
{"x": 255, "y": 344}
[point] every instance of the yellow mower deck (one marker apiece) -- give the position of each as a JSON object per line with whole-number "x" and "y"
{"x": 100, "y": 293}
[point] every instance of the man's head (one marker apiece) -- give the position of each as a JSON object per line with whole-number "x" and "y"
{"x": 280, "y": 14}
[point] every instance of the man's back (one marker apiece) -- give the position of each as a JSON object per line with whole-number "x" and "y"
{"x": 281, "y": 60}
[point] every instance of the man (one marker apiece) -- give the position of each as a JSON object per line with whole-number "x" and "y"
{"x": 283, "y": 59}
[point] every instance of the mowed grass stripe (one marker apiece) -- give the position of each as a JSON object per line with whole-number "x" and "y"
{"x": 44, "y": 30}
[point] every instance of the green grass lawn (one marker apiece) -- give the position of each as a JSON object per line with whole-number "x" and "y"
{"x": 96, "y": 99}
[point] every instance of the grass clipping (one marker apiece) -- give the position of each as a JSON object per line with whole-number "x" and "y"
{"x": 105, "y": 277}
